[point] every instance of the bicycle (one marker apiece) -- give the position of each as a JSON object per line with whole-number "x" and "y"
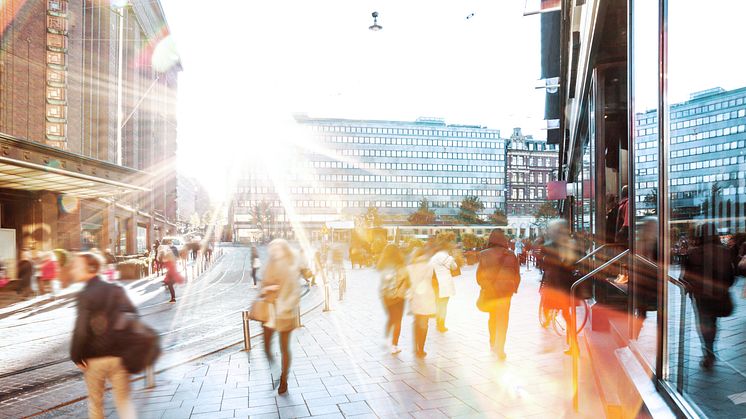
{"x": 552, "y": 316}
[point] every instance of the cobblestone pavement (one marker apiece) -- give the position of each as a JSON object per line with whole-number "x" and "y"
{"x": 342, "y": 368}
{"x": 205, "y": 318}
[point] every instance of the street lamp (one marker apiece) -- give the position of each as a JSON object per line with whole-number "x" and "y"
{"x": 375, "y": 27}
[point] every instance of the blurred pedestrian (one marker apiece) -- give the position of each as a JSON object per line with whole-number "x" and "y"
{"x": 422, "y": 296}
{"x": 394, "y": 288}
{"x": 709, "y": 271}
{"x": 622, "y": 221}
{"x": 519, "y": 248}
{"x": 173, "y": 276}
{"x": 559, "y": 259}
{"x": 48, "y": 272}
{"x": 281, "y": 291}
{"x": 93, "y": 348}
{"x": 498, "y": 276}
{"x": 443, "y": 263}
{"x": 256, "y": 263}
{"x": 646, "y": 276}
{"x": 25, "y": 272}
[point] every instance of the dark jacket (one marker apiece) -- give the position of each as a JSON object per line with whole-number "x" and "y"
{"x": 99, "y": 306}
{"x": 498, "y": 273}
{"x": 709, "y": 272}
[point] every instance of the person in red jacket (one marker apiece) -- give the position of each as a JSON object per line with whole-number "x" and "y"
{"x": 48, "y": 271}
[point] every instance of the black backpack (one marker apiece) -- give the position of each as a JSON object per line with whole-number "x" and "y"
{"x": 134, "y": 341}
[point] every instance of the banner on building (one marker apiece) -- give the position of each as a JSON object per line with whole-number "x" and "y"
{"x": 556, "y": 190}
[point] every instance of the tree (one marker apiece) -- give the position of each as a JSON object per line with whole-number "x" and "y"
{"x": 499, "y": 218}
{"x": 469, "y": 212}
{"x": 261, "y": 216}
{"x": 372, "y": 218}
{"x": 545, "y": 213}
{"x": 423, "y": 216}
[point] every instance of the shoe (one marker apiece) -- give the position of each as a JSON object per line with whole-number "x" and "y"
{"x": 283, "y": 388}
{"x": 442, "y": 329}
{"x": 173, "y": 300}
{"x": 420, "y": 354}
{"x": 395, "y": 350}
{"x": 707, "y": 363}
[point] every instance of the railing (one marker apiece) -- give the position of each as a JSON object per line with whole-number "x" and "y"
{"x": 598, "y": 249}
{"x": 572, "y": 327}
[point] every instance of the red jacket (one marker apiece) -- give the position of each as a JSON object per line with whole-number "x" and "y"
{"x": 49, "y": 270}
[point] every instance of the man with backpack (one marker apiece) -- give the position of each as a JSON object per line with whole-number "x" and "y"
{"x": 498, "y": 275}
{"x": 94, "y": 348}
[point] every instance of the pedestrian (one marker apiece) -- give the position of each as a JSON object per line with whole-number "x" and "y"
{"x": 281, "y": 291}
{"x": 498, "y": 276}
{"x": 422, "y": 296}
{"x": 622, "y": 221}
{"x": 156, "y": 245}
{"x": 709, "y": 271}
{"x": 48, "y": 272}
{"x": 519, "y": 248}
{"x": 24, "y": 273}
{"x": 646, "y": 275}
{"x": 559, "y": 259}
{"x": 393, "y": 289}
{"x": 93, "y": 348}
{"x": 442, "y": 262}
{"x": 172, "y": 275}
{"x": 256, "y": 263}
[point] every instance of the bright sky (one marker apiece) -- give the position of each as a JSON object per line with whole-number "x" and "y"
{"x": 248, "y": 66}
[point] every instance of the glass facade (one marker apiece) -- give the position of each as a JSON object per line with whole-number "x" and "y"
{"x": 655, "y": 156}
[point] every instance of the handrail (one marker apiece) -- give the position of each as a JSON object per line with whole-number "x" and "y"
{"x": 596, "y": 250}
{"x": 572, "y": 327}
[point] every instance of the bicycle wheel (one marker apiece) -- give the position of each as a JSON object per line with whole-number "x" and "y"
{"x": 581, "y": 314}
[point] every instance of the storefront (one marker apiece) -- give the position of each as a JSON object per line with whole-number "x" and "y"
{"x": 653, "y": 98}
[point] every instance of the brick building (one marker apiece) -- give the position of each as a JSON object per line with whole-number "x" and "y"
{"x": 530, "y": 165}
{"x": 87, "y": 124}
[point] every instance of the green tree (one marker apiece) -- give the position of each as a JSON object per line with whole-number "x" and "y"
{"x": 469, "y": 212}
{"x": 499, "y": 218}
{"x": 545, "y": 213}
{"x": 372, "y": 218}
{"x": 423, "y": 216}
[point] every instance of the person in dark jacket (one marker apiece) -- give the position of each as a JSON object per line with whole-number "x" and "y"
{"x": 709, "y": 272}
{"x": 25, "y": 272}
{"x": 93, "y": 348}
{"x": 560, "y": 255}
{"x": 498, "y": 274}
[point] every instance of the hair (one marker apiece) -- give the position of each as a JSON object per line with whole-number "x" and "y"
{"x": 391, "y": 257}
{"x": 92, "y": 261}
{"x": 282, "y": 244}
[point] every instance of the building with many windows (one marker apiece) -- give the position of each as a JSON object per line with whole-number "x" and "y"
{"x": 530, "y": 165}
{"x": 87, "y": 124}
{"x": 347, "y": 166}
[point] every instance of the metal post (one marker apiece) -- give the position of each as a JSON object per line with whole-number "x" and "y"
{"x": 300, "y": 322}
{"x": 246, "y": 331}
{"x": 149, "y": 377}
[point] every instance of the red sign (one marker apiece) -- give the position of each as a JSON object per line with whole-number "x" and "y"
{"x": 557, "y": 189}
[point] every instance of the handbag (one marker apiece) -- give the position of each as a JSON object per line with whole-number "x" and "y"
{"x": 456, "y": 271}
{"x": 259, "y": 311}
{"x": 139, "y": 343}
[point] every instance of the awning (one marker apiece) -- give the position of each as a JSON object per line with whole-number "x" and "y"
{"x": 31, "y": 166}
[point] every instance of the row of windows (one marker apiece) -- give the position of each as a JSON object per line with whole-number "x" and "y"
{"x": 420, "y": 154}
{"x": 406, "y": 131}
{"x": 698, "y": 180}
{"x": 532, "y": 146}
{"x": 308, "y": 203}
{"x": 533, "y": 193}
{"x": 403, "y": 166}
{"x": 648, "y": 171}
{"x": 733, "y": 145}
{"x": 709, "y": 119}
{"x": 380, "y": 179}
{"x": 708, "y": 163}
{"x": 532, "y": 162}
{"x": 708, "y": 134}
{"x": 413, "y": 142}
{"x": 646, "y": 185}
{"x": 708, "y": 108}
{"x": 343, "y": 191}
{"x": 532, "y": 177}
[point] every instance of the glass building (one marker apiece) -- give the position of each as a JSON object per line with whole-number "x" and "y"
{"x": 650, "y": 107}
{"x": 342, "y": 167}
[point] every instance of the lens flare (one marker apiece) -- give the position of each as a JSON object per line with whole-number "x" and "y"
{"x": 165, "y": 55}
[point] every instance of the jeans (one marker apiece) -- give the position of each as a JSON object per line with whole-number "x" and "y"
{"x": 442, "y": 311}
{"x": 284, "y": 350}
{"x": 170, "y": 286}
{"x": 708, "y": 328}
{"x": 498, "y": 324}
{"x": 253, "y": 274}
{"x": 420, "y": 332}
{"x": 96, "y": 374}
{"x": 395, "y": 309}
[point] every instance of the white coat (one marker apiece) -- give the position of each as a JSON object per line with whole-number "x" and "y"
{"x": 421, "y": 295}
{"x": 442, "y": 263}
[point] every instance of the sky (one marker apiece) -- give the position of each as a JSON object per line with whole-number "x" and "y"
{"x": 248, "y": 66}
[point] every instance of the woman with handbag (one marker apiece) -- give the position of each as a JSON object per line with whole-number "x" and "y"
{"x": 559, "y": 259}
{"x": 498, "y": 276}
{"x": 281, "y": 293}
{"x": 443, "y": 263}
{"x": 422, "y": 296}
{"x": 394, "y": 287}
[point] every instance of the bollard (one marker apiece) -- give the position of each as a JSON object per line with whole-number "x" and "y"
{"x": 149, "y": 377}
{"x": 246, "y": 332}
{"x": 300, "y": 323}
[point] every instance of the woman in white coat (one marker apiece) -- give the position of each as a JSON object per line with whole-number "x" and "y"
{"x": 443, "y": 263}
{"x": 421, "y": 297}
